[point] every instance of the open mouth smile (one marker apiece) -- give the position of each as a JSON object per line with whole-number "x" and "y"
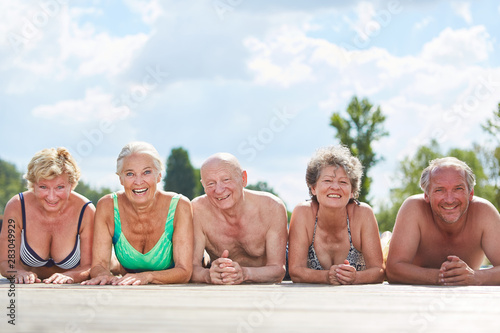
{"x": 223, "y": 198}
{"x": 141, "y": 191}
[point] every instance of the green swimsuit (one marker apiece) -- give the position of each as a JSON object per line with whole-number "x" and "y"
{"x": 158, "y": 258}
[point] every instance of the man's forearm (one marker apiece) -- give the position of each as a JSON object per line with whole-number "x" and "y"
{"x": 273, "y": 274}
{"x": 200, "y": 275}
{"x": 411, "y": 274}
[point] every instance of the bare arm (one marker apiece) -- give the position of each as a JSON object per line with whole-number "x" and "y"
{"x": 200, "y": 273}
{"x": 404, "y": 245}
{"x": 371, "y": 248}
{"x": 101, "y": 249}
{"x": 456, "y": 272}
{"x": 276, "y": 239}
{"x": 298, "y": 248}
{"x": 10, "y": 242}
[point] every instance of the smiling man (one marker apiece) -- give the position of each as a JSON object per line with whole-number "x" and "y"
{"x": 442, "y": 236}
{"x": 243, "y": 231}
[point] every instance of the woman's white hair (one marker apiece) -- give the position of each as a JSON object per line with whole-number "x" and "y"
{"x": 139, "y": 147}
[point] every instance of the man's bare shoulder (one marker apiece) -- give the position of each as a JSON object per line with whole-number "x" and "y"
{"x": 484, "y": 209}
{"x": 414, "y": 202}
{"x": 200, "y": 202}
{"x": 264, "y": 200}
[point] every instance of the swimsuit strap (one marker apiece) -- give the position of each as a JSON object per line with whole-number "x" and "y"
{"x": 169, "y": 226}
{"x": 81, "y": 217}
{"x": 118, "y": 224}
{"x": 349, "y": 231}
{"x": 21, "y": 196}
{"x": 315, "y": 225}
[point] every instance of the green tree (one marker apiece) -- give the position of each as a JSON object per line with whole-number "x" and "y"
{"x": 491, "y": 157}
{"x": 92, "y": 194}
{"x": 358, "y": 131}
{"x": 11, "y": 183}
{"x": 261, "y": 186}
{"x": 180, "y": 176}
{"x": 410, "y": 170}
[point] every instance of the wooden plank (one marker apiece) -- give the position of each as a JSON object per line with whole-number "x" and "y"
{"x": 285, "y": 307}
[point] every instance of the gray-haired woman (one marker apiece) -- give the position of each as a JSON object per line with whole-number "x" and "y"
{"x": 333, "y": 237}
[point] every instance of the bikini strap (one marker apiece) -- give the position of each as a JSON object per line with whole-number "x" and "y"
{"x": 81, "y": 217}
{"x": 315, "y": 225}
{"x": 349, "y": 231}
{"x": 116, "y": 218}
{"x": 169, "y": 225}
{"x": 23, "y": 210}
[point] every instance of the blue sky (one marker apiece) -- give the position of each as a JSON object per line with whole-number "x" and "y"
{"x": 254, "y": 78}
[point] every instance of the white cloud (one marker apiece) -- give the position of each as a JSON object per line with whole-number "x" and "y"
{"x": 94, "y": 106}
{"x": 423, "y": 23}
{"x": 97, "y": 53}
{"x": 280, "y": 58}
{"x": 459, "y": 47}
{"x": 366, "y": 12}
{"x": 150, "y": 10}
{"x": 462, "y": 9}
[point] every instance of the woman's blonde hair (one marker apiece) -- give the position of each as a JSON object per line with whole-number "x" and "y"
{"x": 50, "y": 163}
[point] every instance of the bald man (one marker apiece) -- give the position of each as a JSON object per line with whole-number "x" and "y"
{"x": 441, "y": 237}
{"x": 243, "y": 231}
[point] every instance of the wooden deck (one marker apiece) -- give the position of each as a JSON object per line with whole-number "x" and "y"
{"x": 285, "y": 307}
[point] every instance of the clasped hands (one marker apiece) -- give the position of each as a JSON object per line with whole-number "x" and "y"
{"x": 226, "y": 271}
{"x": 455, "y": 272}
{"x": 342, "y": 274}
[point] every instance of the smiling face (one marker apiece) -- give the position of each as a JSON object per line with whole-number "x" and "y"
{"x": 223, "y": 182}
{"x": 139, "y": 177}
{"x": 333, "y": 188}
{"x": 53, "y": 193}
{"x": 448, "y": 194}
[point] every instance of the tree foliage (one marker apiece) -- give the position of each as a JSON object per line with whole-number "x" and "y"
{"x": 491, "y": 159}
{"x": 90, "y": 193}
{"x": 358, "y": 131}
{"x": 11, "y": 183}
{"x": 261, "y": 186}
{"x": 410, "y": 170}
{"x": 180, "y": 176}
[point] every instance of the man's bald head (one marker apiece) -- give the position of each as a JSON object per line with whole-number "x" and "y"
{"x": 222, "y": 159}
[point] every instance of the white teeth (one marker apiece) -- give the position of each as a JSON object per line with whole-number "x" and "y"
{"x": 140, "y": 191}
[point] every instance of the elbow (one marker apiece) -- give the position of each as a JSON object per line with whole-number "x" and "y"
{"x": 391, "y": 274}
{"x": 281, "y": 274}
{"x": 186, "y": 275}
{"x": 294, "y": 275}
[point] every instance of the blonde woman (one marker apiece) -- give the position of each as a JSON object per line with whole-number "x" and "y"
{"x": 47, "y": 231}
